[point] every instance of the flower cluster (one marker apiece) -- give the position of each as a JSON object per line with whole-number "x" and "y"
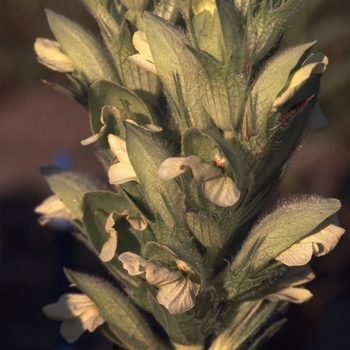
{"x": 180, "y": 225}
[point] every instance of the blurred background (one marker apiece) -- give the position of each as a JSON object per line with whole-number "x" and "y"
{"x": 39, "y": 127}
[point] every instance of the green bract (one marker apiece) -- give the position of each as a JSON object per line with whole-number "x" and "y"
{"x": 195, "y": 113}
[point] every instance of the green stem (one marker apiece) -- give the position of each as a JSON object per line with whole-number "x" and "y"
{"x": 188, "y": 347}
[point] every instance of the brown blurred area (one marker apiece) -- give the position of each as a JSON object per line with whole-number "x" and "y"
{"x": 37, "y": 123}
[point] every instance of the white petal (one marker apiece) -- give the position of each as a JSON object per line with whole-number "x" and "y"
{"x": 284, "y": 288}
{"x": 171, "y": 168}
{"x": 201, "y": 170}
{"x": 52, "y": 208}
{"x": 133, "y": 263}
{"x": 319, "y": 244}
{"x": 291, "y": 294}
{"x": 72, "y": 329}
{"x": 109, "y": 248}
{"x": 178, "y": 297}
{"x": 50, "y": 55}
{"x": 137, "y": 222}
{"x": 122, "y": 171}
{"x": 221, "y": 191}
{"x": 68, "y": 306}
{"x": 315, "y": 65}
{"x": 140, "y": 43}
{"x": 91, "y": 139}
{"x": 297, "y": 255}
{"x": 140, "y": 61}
{"x": 159, "y": 275}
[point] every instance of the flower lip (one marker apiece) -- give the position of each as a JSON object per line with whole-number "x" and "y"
{"x": 176, "y": 292}
{"x": 216, "y": 186}
{"x": 78, "y": 313}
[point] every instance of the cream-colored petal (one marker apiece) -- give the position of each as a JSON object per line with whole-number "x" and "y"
{"x": 50, "y": 55}
{"x": 72, "y": 329}
{"x": 171, "y": 168}
{"x": 122, "y": 171}
{"x": 92, "y": 318}
{"x": 291, "y": 294}
{"x": 159, "y": 275}
{"x": 140, "y": 43}
{"x": 320, "y": 243}
{"x": 68, "y": 306}
{"x": 137, "y": 222}
{"x": 201, "y": 170}
{"x": 316, "y": 65}
{"x": 221, "y": 191}
{"x": 285, "y": 288}
{"x": 53, "y": 208}
{"x": 110, "y": 246}
{"x": 133, "y": 263}
{"x": 325, "y": 240}
{"x": 140, "y": 61}
{"x": 179, "y": 296}
{"x": 316, "y": 119}
{"x": 146, "y": 127}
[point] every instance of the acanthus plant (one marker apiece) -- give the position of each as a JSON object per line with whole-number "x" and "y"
{"x": 196, "y": 112}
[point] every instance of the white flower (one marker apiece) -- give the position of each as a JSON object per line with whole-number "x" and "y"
{"x": 287, "y": 288}
{"x": 319, "y": 244}
{"x": 50, "y": 55}
{"x": 109, "y": 248}
{"x": 53, "y": 208}
{"x": 144, "y": 58}
{"x": 176, "y": 292}
{"x": 315, "y": 64}
{"x": 107, "y": 112}
{"x": 216, "y": 186}
{"x": 78, "y": 313}
{"x": 122, "y": 171}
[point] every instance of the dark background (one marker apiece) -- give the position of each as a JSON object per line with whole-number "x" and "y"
{"x": 38, "y": 125}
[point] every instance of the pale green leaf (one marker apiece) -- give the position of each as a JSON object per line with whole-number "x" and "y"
{"x": 86, "y": 52}
{"x": 127, "y": 322}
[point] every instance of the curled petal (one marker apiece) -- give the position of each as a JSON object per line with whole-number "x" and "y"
{"x": 140, "y": 43}
{"x": 109, "y": 248}
{"x": 50, "y": 55}
{"x": 122, "y": 171}
{"x": 202, "y": 171}
{"x": 179, "y": 296}
{"x": 320, "y": 243}
{"x": 142, "y": 63}
{"x": 133, "y": 263}
{"x": 285, "y": 288}
{"x": 53, "y": 208}
{"x": 144, "y": 59}
{"x": 159, "y": 275}
{"x": 315, "y": 64}
{"x": 72, "y": 329}
{"x": 68, "y": 306}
